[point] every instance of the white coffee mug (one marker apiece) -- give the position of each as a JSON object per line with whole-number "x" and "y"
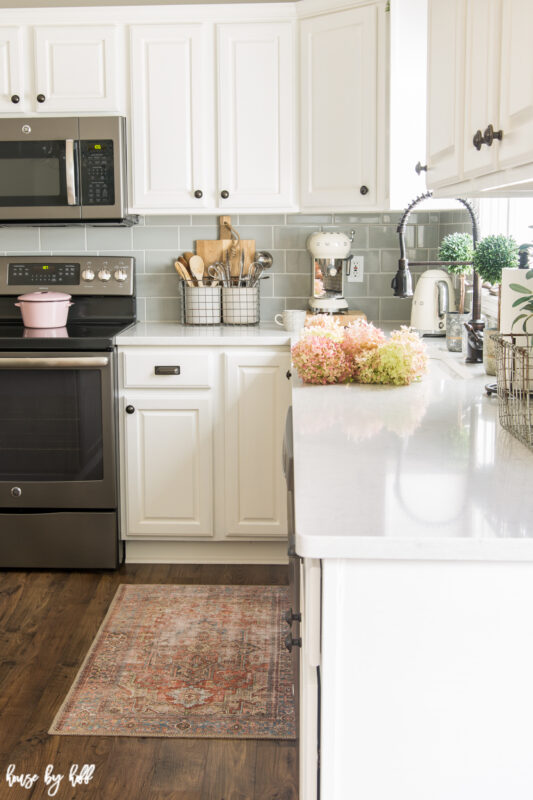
{"x": 292, "y": 319}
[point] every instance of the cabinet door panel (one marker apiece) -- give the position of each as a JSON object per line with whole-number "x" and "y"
{"x": 516, "y": 95}
{"x": 172, "y": 126}
{"x": 483, "y": 30}
{"x": 11, "y": 69}
{"x": 445, "y": 95}
{"x": 75, "y": 68}
{"x": 339, "y": 68}
{"x": 169, "y": 467}
{"x": 255, "y": 114}
{"x": 257, "y": 397}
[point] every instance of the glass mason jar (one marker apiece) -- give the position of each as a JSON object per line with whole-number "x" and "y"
{"x": 455, "y": 323}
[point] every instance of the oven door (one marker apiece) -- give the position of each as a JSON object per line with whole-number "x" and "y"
{"x": 57, "y": 434}
{"x": 39, "y": 169}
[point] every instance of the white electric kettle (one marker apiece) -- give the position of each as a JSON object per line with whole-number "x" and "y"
{"x": 434, "y": 296}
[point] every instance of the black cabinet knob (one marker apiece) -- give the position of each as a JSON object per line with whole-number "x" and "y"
{"x": 224, "y": 194}
{"x": 130, "y": 409}
{"x": 41, "y": 98}
{"x": 198, "y": 194}
{"x": 490, "y": 134}
{"x": 478, "y": 140}
{"x": 290, "y": 616}
{"x": 288, "y": 374}
{"x": 364, "y": 189}
{"x": 421, "y": 168}
{"x": 292, "y": 641}
{"x": 15, "y": 98}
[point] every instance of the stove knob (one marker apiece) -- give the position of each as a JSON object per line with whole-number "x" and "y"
{"x": 121, "y": 275}
{"x": 104, "y": 275}
{"x": 87, "y": 275}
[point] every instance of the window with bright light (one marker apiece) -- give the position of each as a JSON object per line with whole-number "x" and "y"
{"x": 510, "y": 216}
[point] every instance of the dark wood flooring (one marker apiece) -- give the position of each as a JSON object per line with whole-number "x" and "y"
{"x": 47, "y": 622}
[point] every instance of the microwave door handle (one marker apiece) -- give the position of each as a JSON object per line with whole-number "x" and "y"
{"x": 70, "y": 168}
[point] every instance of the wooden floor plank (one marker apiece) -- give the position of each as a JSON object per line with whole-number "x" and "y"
{"x": 48, "y": 621}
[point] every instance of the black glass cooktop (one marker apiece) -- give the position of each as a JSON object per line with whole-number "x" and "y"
{"x": 75, "y": 336}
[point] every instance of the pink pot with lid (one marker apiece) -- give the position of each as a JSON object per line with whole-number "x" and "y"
{"x": 44, "y": 309}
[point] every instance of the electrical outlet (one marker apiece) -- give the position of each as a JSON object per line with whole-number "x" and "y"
{"x": 356, "y": 269}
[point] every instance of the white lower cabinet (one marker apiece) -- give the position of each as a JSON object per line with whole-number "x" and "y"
{"x": 169, "y": 469}
{"x": 257, "y": 395}
{"x": 201, "y": 446}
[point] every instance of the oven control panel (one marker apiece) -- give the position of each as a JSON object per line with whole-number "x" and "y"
{"x": 97, "y": 173}
{"x": 90, "y": 275}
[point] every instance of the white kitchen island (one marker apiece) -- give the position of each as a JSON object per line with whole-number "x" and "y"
{"x": 414, "y": 520}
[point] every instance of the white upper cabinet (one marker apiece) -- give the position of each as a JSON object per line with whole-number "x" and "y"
{"x": 58, "y": 69}
{"x": 480, "y": 79}
{"x": 446, "y": 55}
{"x": 255, "y": 114}
{"x": 12, "y": 83}
{"x": 172, "y": 121}
{"x": 516, "y": 88}
{"x": 75, "y": 68}
{"x": 482, "y": 68}
{"x": 339, "y": 109}
{"x": 181, "y": 119}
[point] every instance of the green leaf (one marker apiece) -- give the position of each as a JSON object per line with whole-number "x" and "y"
{"x": 516, "y": 287}
{"x": 517, "y": 319}
{"x": 521, "y": 300}
{"x": 524, "y": 324}
{"x": 529, "y": 274}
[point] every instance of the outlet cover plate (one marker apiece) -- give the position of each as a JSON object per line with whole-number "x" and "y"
{"x": 356, "y": 269}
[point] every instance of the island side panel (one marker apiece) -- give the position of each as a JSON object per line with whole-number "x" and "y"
{"x": 427, "y": 680}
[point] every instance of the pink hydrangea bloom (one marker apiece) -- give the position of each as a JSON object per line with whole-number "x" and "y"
{"x": 319, "y": 357}
{"x": 359, "y": 338}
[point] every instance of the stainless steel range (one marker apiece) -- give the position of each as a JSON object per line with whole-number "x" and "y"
{"x": 58, "y": 448}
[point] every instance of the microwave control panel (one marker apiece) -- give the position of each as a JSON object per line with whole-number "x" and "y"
{"x": 97, "y": 173}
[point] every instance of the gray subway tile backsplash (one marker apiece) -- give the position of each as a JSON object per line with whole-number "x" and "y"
{"x": 158, "y": 240}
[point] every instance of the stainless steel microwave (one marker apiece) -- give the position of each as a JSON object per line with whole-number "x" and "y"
{"x": 63, "y": 170}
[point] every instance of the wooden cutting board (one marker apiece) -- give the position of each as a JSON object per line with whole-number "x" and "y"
{"x": 213, "y": 250}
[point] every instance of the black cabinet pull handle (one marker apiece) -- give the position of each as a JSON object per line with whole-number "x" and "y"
{"x": 490, "y": 134}
{"x": 292, "y": 641}
{"x": 288, "y": 374}
{"x": 198, "y": 194}
{"x": 364, "y": 189}
{"x": 478, "y": 140}
{"x": 421, "y": 168}
{"x": 290, "y": 616}
{"x": 15, "y": 98}
{"x": 167, "y": 370}
{"x": 41, "y": 98}
{"x": 130, "y": 409}
{"x": 224, "y": 194}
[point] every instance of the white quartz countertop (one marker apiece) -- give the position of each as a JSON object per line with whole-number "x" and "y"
{"x": 416, "y": 472}
{"x": 173, "y": 333}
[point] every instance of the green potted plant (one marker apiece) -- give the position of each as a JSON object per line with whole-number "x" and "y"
{"x": 457, "y": 247}
{"x": 492, "y": 255}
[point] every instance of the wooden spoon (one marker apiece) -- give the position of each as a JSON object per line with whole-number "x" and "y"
{"x": 183, "y": 273}
{"x": 196, "y": 265}
{"x": 187, "y": 256}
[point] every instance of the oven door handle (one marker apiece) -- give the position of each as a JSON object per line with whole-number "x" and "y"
{"x": 54, "y": 363}
{"x": 70, "y": 170}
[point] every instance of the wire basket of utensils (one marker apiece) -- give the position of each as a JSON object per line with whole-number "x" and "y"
{"x": 514, "y": 371}
{"x": 201, "y": 305}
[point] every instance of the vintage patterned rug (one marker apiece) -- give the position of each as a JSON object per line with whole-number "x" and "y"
{"x": 186, "y": 661}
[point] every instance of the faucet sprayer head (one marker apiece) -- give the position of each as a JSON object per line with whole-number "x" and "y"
{"x": 402, "y": 283}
